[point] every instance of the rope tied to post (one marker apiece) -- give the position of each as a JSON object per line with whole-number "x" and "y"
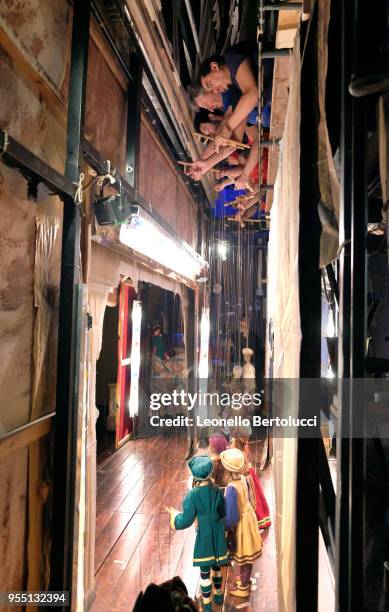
{"x": 79, "y": 191}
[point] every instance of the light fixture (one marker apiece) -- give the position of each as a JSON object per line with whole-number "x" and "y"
{"x": 330, "y": 325}
{"x": 136, "y": 318}
{"x": 143, "y": 236}
{"x": 222, "y": 250}
{"x": 114, "y": 209}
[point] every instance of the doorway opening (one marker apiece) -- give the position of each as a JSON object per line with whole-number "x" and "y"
{"x": 106, "y": 379}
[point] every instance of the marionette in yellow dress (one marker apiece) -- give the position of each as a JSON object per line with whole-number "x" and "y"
{"x": 241, "y": 518}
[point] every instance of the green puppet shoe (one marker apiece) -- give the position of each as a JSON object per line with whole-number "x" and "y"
{"x": 218, "y": 598}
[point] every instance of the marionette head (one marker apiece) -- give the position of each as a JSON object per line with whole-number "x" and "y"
{"x": 240, "y": 437}
{"x": 237, "y": 371}
{"x": 247, "y": 354}
{"x": 233, "y": 460}
{"x": 112, "y": 299}
{"x": 217, "y": 443}
{"x": 201, "y": 467}
{"x": 240, "y": 440}
{"x": 244, "y": 327}
{"x": 157, "y": 330}
{"x": 165, "y": 597}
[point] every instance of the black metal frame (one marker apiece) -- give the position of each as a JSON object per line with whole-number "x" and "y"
{"x": 358, "y": 328}
{"x": 343, "y": 443}
{"x": 352, "y": 321}
{"x": 35, "y": 171}
{"x": 308, "y": 450}
{"x": 326, "y": 505}
{"x": 65, "y": 449}
{"x": 133, "y": 120}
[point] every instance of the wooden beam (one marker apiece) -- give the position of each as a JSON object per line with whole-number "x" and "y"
{"x": 288, "y": 22}
{"x": 100, "y": 41}
{"x": 278, "y": 112}
{"x": 157, "y": 48}
{"x": 22, "y": 436}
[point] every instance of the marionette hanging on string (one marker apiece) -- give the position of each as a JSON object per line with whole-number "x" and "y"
{"x": 240, "y": 440}
{"x": 241, "y": 519}
{"x": 204, "y": 504}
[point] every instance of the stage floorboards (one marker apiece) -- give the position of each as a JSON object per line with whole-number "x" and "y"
{"x": 134, "y": 542}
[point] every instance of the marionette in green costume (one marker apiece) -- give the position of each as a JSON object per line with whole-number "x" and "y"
{"x": 205, "y": 505}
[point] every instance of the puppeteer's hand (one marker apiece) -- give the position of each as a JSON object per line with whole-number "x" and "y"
{"x": 244, "y": 182}
{"x": 220, "y": 186}
{"x": 197, "y": 168}
{"x": 224, "y": 133}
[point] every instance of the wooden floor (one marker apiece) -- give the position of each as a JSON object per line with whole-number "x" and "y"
{"x": 134, "y": 542}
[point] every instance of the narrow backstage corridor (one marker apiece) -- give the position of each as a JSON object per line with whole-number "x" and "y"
{"x": 194, "y": 305}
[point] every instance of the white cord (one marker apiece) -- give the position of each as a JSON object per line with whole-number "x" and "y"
{"x": 78, "y": 194}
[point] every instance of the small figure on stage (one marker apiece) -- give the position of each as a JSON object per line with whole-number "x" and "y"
{"x": 248, "y": 371}
{"x": 158, "y": 346}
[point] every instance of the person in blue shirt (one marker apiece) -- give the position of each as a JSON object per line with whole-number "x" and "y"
{"x": 238, "y": 70}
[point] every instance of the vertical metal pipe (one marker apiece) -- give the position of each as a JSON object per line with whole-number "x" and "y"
{"x": 343, "y": 441}
{"x": 358, "y": 346}
{"x": 64, "y": 478}
{"x": 358, "y": 323}
{"x": 307, "y": 486}
{"x": 133, "y": 120}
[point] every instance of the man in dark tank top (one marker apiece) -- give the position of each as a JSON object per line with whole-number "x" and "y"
{"x": 237, "y": 72}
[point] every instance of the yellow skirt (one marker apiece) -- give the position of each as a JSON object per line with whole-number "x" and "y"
{"x": 248, "y": 541}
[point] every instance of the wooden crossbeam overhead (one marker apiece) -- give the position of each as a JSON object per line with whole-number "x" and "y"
{"x": 288, "y": 23}
{"x": 25, "y": 435}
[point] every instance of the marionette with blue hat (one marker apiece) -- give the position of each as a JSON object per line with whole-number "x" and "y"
{"x": 204, "y": 504}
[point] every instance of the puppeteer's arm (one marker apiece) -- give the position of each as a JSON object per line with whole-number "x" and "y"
{"x": 249, "y": 98}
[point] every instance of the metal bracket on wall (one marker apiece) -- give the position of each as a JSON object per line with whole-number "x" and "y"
{"x": 34, "y": 169}
{"x": 283, "y": 6}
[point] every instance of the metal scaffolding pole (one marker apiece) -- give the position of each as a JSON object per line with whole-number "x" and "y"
{"x": 133, "y": 120}
{"x": 358, "y": 326}
{"x": 69, "y": 332}
{"x": 343, "y": 441}
{"x": 308, "y": 449}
